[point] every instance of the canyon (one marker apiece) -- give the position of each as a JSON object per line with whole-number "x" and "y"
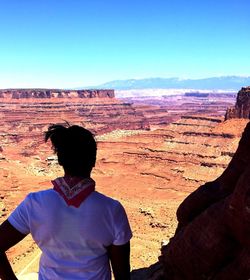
{"x": 152, "y": 153}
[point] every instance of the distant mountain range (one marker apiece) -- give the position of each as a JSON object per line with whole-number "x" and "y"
{"x": 213, "y": 83}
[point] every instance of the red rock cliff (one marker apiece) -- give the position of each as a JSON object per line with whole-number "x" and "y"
{"x": 242, "y": 106}
{"x": 30, "y": 110}
{"x": 56, "y": 93}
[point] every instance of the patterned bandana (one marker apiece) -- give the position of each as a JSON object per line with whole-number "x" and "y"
{"x": 74, "y": 190}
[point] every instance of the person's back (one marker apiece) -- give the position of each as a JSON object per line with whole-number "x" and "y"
{"x": 78, "y": 229}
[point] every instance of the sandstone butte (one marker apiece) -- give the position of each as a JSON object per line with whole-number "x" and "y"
{"x": 242, "y": 106}
{"x": 151, "y": 156}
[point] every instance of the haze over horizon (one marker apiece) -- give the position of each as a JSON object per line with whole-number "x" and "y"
{"x": 73, "y": 43}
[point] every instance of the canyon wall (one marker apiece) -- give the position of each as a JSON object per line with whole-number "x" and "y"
{"x": 242, "y": 106}
{"x": 162, "y": 110}
{"x": 28, "y": 112}
{"x": 56, "y": 93}
{"x": 149, "y": 171}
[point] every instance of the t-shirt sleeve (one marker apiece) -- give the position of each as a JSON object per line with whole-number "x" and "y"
{"x": 19, "y": 218}
{"x": 122, "y": 228}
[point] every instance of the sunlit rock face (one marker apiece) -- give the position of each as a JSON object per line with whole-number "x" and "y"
{"x": 56, "y": 93}
{"x": 242, "y": 106}
{"x": 32, "y": 110}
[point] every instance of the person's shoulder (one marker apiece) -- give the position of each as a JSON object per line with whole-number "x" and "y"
{"x": 104, "y": 199}
{"x": 40, "y": 194}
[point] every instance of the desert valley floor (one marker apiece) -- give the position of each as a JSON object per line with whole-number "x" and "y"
{"x": 149, "y": 170}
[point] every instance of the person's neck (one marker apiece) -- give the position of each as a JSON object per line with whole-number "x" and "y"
{"x": 83, "y": 175}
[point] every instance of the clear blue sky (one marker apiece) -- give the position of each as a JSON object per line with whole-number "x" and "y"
{"x": 71, "y": 43}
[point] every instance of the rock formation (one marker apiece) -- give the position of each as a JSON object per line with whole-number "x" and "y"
{"x": 161, "y": 111}
{"x": 31, "y": 110}
{"x": 56, "y": 93}
{"x": 162, "y": 165}
{"x": 242, "y": 106}
{"x": 212, "y": 237}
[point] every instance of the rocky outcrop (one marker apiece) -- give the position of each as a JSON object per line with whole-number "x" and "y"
{"x": 212, "y": 237}
{"x": 242, "y": 106}
{"x": 56, "y": 93}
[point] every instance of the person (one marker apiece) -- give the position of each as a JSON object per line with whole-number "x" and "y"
{"x": 79, "y": 230}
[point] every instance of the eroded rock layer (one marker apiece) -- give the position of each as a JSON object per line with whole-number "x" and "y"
{"x": 56, "y": 93}
{"x": 160, "y": 111}
{"x": 150, "y": 172}
{"x": 22, "y": 118}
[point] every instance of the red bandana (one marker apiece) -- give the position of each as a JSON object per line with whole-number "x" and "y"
{"x": 74, "y": 190}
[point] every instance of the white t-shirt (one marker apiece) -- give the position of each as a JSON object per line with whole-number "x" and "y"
{"x": 73, "y": 240}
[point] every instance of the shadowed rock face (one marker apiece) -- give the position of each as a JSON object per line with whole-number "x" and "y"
{"x": 212, "y": 237}
{"x": 242, "y": 106}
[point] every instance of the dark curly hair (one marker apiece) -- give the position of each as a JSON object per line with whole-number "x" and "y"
{"x": 75, "y": 147}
